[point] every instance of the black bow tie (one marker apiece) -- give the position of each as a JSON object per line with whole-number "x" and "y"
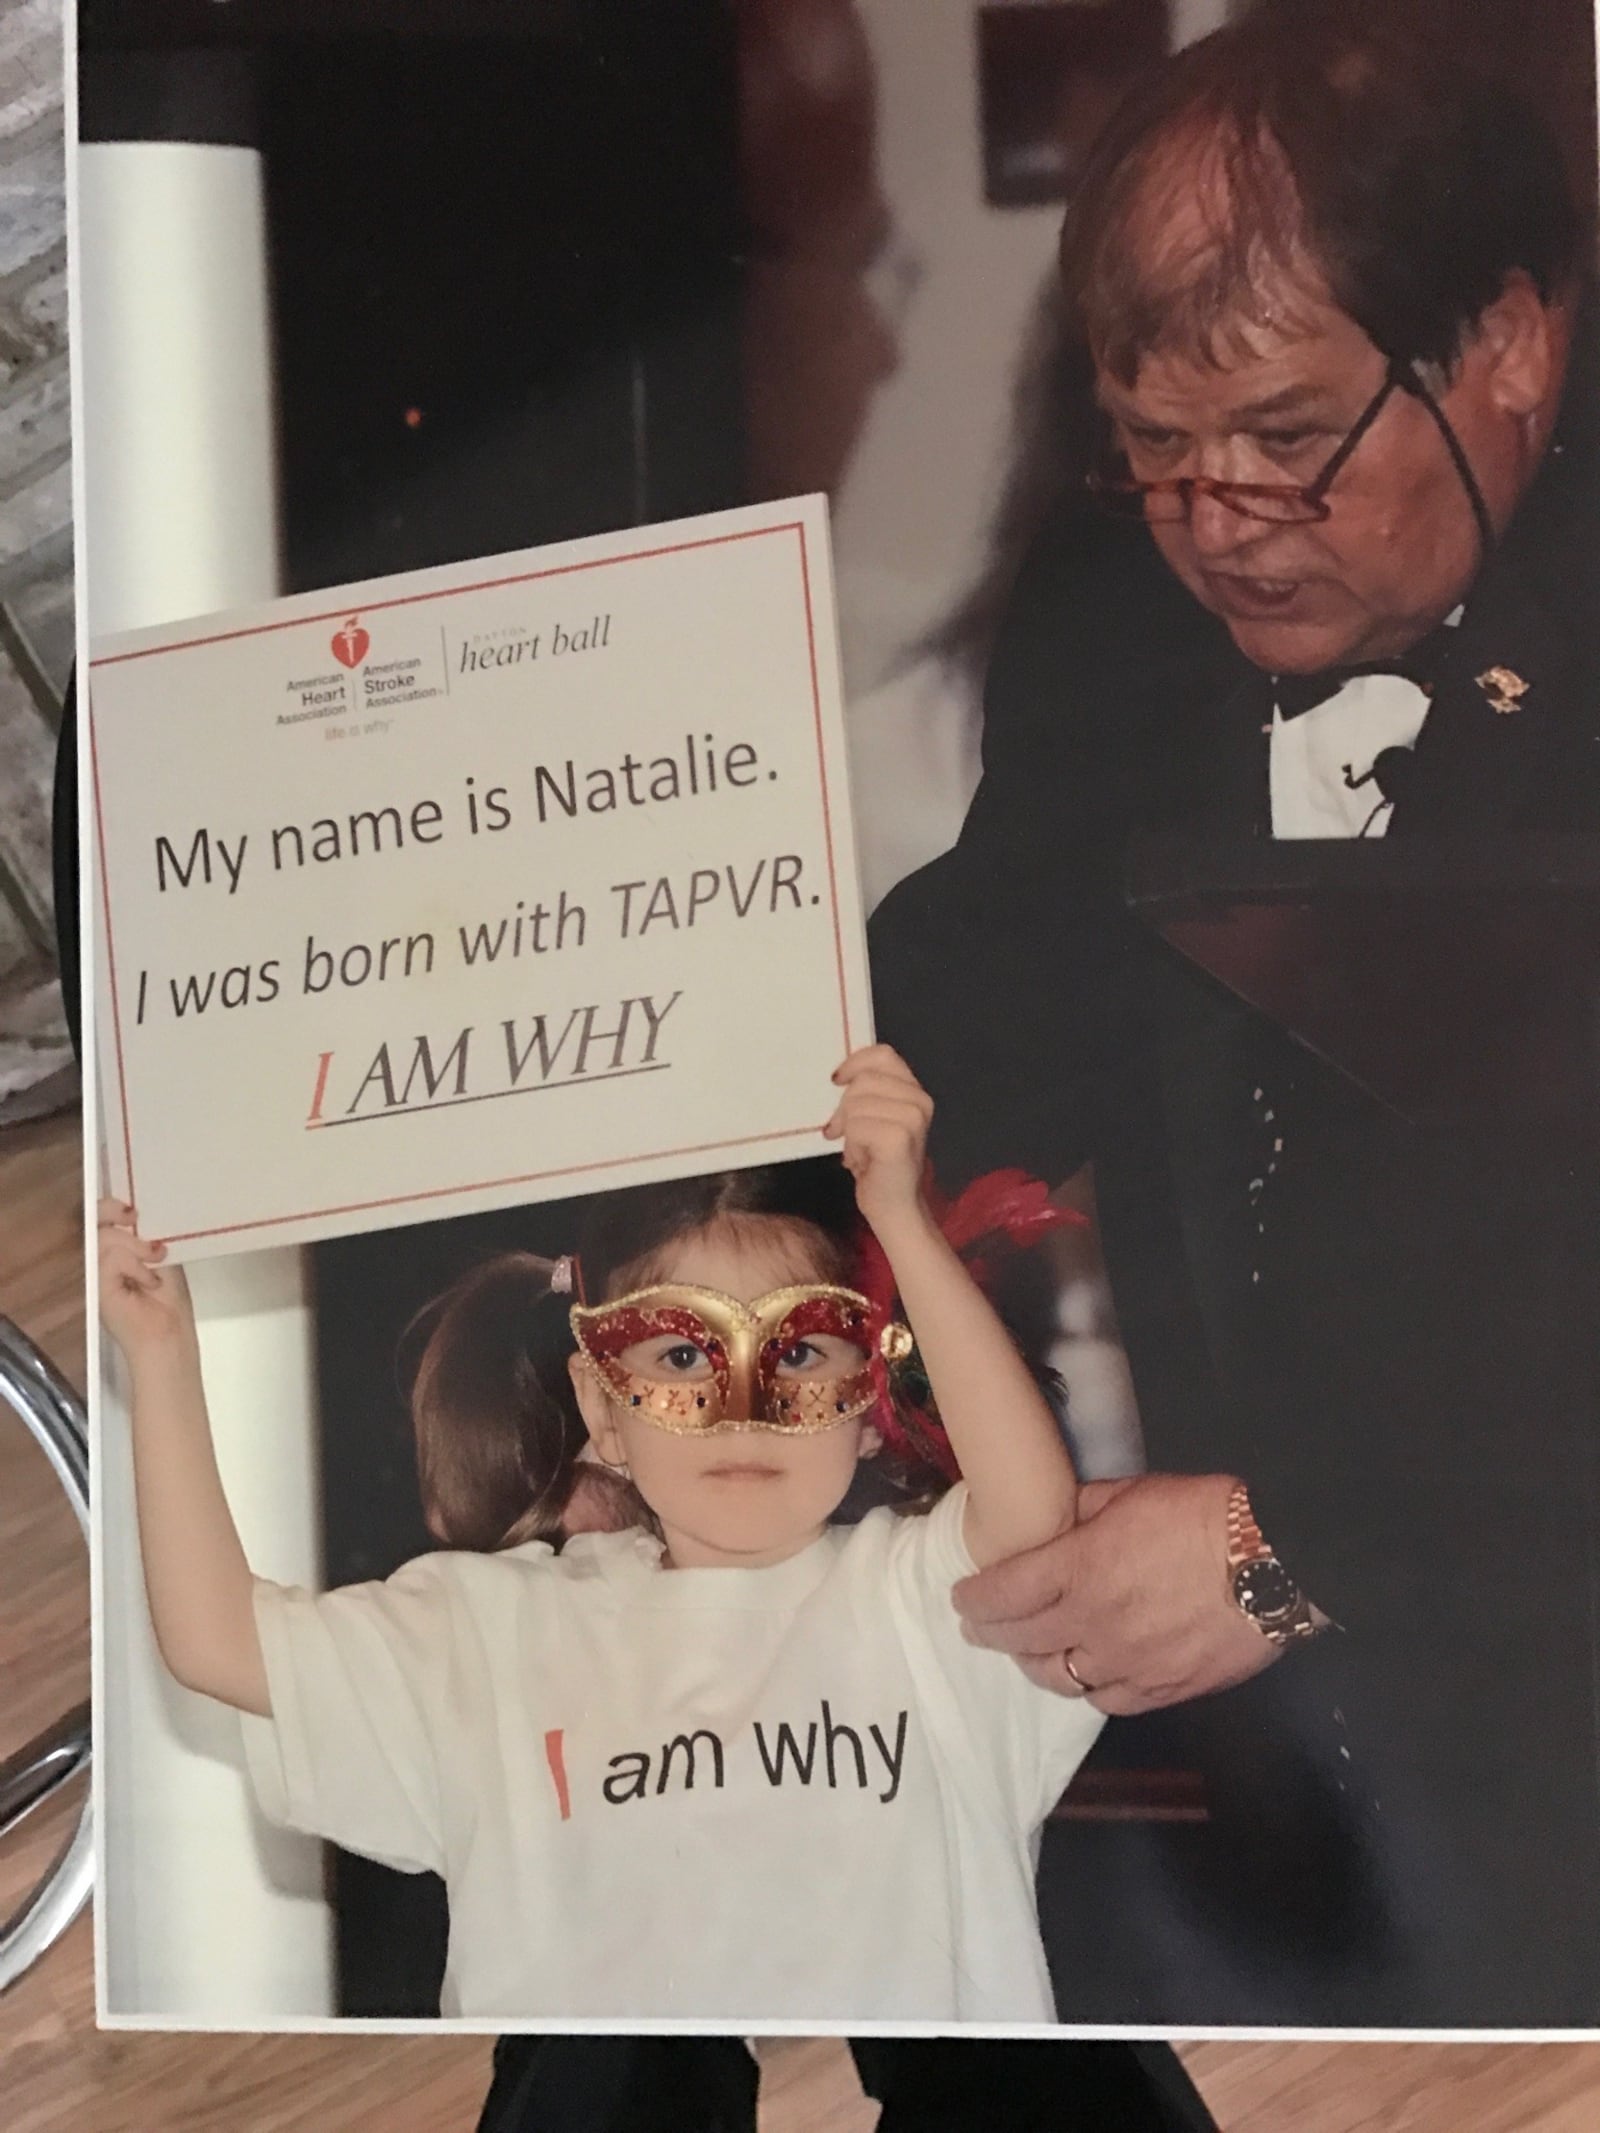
{"x": 1298, "y": 693}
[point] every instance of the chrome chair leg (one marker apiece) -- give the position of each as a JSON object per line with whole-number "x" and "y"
{"x": 38, "y": 1771}
{"x": 54, "y": 1414}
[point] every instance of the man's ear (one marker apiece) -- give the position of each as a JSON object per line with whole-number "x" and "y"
{"x": 599, "y": 1416}
{"x": 1519, "y": 340}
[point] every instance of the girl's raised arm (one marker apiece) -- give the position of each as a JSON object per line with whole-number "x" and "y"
{"x": 200, "y": 1588}
{"x": 1021, "y": 1486}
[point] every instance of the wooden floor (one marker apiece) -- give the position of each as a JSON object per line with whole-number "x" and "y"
{"x": 59, "y": 2072}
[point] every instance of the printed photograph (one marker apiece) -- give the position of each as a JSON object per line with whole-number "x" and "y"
{"x": 1100, "y": 1531}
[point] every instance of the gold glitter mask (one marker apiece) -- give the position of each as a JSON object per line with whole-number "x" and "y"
{"x": 693, "y": 1361}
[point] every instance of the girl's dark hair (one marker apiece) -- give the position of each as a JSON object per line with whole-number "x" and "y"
{"x": 497, "y": 1424}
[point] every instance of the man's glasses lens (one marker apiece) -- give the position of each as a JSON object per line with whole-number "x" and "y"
{"x": 1169, "y": 503}
{"x": 1161, "y": 503}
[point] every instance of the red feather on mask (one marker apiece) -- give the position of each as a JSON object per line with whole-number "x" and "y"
{"x": 1007, "y": 1206}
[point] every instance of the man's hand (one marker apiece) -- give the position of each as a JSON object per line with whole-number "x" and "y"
{"x": 1135, "y": 1594}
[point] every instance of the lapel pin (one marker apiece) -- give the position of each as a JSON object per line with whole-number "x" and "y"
{"x": 1504, "y": 689}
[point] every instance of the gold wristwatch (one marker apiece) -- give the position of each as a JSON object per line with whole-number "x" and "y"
{"x": 1262, "y": 1589}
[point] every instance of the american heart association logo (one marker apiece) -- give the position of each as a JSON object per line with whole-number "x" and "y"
{"x": 351, "y": 644}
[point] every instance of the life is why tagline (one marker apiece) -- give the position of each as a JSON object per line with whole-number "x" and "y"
{"x": 594, "y": 848}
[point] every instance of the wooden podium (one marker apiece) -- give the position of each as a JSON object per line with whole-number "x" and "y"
{"x": 1456, "y": 982}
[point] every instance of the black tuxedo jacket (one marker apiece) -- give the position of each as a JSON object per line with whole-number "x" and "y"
{"x": 1391, "y": 1333}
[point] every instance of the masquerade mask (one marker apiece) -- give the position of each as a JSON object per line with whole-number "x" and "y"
{"x": 692, "y": 1360}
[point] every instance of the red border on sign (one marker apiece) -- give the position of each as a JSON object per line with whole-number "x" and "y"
{"x": 447, "y": 592}
{"x": 530, "y": 1177}
{"x": 373, "y": 607}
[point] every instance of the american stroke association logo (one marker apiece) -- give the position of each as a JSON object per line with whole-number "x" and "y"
{"x": 352, "y": 699}
{"x": 351, "y": 643}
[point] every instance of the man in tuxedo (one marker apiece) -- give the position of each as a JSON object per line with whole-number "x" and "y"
{"x": 1335, "y": 577}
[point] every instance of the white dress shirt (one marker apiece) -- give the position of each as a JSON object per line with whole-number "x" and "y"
{"x": 1320, "y": 761}
{"x": 1320, "y": 758}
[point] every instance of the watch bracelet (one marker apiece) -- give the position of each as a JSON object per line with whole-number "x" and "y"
{"x": 1246, "y": 1545}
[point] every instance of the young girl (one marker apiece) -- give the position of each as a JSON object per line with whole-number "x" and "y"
{"x": 732, "y": 1763}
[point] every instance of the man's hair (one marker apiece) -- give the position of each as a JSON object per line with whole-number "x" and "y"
{"x": 1304, "y": 148}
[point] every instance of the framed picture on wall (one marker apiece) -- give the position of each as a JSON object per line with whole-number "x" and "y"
{"x": 1050, "y": 72}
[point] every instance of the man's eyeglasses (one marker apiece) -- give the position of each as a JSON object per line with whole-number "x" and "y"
{"x": 1281, "y": 503}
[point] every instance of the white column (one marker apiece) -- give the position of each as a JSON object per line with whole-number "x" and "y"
{"x": 204, "y": 1914}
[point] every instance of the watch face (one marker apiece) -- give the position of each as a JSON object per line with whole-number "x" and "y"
{"x": 1265, "y": 1590}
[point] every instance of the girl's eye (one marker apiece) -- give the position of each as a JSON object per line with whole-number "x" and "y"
{"x": 821, "y": 1354}
{"x": 664, "y": 1358}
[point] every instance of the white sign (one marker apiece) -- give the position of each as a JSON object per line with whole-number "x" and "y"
{"x": 482, "y": 885}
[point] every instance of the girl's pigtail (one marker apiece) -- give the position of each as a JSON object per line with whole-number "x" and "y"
{"x": 497, "y": 1425}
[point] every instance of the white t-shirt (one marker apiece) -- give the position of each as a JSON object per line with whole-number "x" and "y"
{"x": 720, "y": 1795}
